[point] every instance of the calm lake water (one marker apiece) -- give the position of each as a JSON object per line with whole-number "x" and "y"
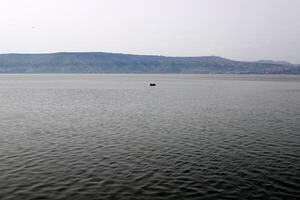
{"x": 114, "y": 137}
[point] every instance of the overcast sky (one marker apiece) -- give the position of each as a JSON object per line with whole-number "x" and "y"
{"x": 236, "y": 29}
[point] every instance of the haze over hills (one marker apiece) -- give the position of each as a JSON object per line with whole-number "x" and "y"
{"x": 99, "y": 62}
{"x": 279, "y": 62}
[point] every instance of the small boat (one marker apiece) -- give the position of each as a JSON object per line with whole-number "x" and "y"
{"x": 152, "y": 84}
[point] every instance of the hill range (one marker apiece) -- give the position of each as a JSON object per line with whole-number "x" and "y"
{"x": 99, "y": 62}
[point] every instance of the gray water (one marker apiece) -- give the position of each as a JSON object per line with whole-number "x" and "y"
{"x": 114, "y": 137}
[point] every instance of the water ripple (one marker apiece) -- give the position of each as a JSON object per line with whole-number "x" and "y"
{"x": 186, "y": 139}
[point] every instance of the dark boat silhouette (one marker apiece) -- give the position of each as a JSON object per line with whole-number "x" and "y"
{"x": 152, "y": 84}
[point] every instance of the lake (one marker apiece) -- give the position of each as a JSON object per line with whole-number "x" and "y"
{"x": 115, "y": 137}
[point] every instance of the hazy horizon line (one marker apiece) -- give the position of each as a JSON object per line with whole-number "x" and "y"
{"x": 140, "y": 54}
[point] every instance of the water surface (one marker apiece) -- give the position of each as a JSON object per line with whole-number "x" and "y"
{"x": 114, "y": 137}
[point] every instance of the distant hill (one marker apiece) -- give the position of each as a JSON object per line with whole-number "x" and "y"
{"x": 279, "y": 62}
{"x": 89, "y": 62}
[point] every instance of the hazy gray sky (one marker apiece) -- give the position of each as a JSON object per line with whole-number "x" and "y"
{"x": 237, "y": 29}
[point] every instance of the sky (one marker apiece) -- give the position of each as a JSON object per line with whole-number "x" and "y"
{"x": 235, "y": 29}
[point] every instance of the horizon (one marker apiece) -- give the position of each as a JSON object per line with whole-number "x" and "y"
{"x": 121, "y": 53}
{"x": 247, "y": 30}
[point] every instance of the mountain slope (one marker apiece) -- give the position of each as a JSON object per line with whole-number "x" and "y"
{"x": 126, "y": 63}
